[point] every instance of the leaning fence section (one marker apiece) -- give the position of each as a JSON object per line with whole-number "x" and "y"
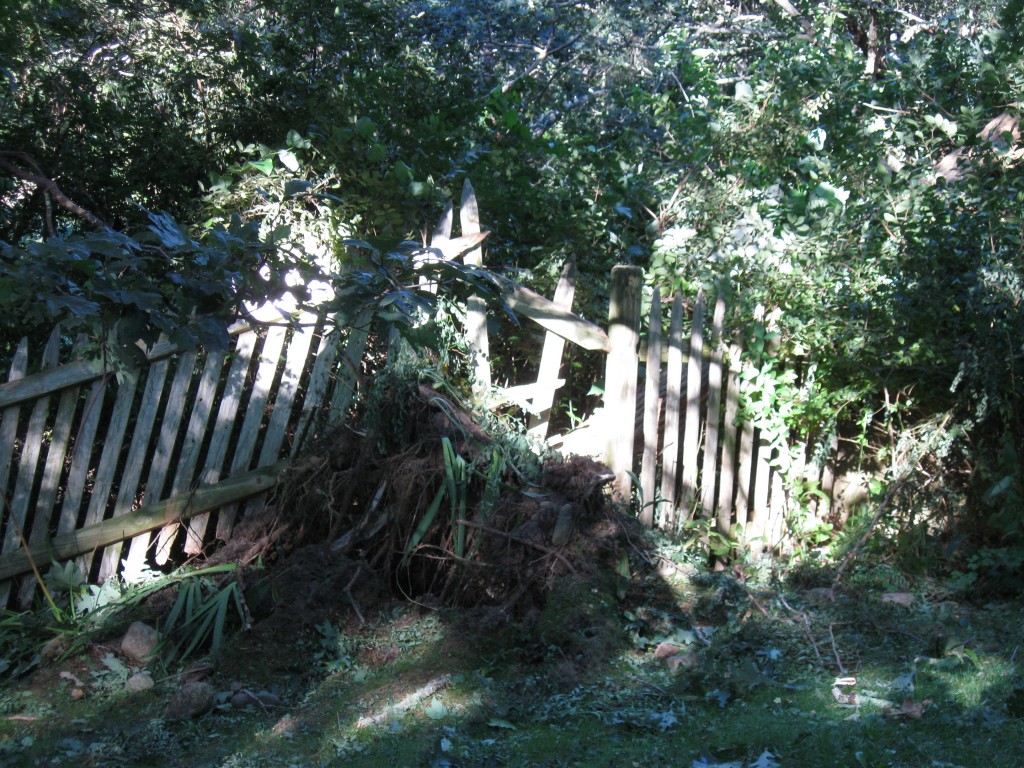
{"x": 120, "y": 471}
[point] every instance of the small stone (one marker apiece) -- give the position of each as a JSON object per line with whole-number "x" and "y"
{"x": 77, "y": 693}
{"x": 140, "y": 642}
{"x": 664, "y": 650}
{"x": 191, "y": 700}
{"x": 140, "y": 681}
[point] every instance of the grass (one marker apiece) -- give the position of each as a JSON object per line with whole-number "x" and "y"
{"x": 937, "y": 683}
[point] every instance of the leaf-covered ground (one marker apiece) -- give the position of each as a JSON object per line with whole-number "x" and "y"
{"x": 679, "y": 667}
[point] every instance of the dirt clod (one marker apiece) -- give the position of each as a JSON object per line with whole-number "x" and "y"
{"x": 192, "y": 700}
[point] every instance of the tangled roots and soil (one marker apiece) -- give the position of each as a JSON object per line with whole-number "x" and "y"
{"x": 450, "y": 519}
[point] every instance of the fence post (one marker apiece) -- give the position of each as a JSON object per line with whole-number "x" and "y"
{"x": 621, "y": 374}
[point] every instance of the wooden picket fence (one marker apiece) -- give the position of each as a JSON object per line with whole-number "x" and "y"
{"x": 119, "y": 473}
{"x": 672, "y": 420}
{"x": 103, "y": 469}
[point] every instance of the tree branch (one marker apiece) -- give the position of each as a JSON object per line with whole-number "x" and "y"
{"x": 793, "y": 13}
{"x": 48, "y": 185}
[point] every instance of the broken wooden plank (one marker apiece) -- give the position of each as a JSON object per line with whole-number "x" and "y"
{"x": 552, "y": 318}
{"x": 476, "y": 307}
{"x": 551, "y": 358}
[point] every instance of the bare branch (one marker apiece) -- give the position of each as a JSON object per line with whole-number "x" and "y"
{"x": 48, "y": 185}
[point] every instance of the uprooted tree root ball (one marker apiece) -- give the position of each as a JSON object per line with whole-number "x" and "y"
{"x": 455, "y": 517}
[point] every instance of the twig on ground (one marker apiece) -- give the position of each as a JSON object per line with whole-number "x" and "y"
{"x": 835, "y": 651}
{"x": 750, "y": 595}
{"x": 806, "y": 625}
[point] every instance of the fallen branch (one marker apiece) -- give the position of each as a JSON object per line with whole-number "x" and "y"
{"x": 835, "y": 651}
{"x": 405, "y": 704}
{"x": 807, "y": 628}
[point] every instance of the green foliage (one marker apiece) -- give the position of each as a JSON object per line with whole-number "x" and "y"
{"x": 863, "y": 224}
{"x": 119, "y": 289}
{"x": 78, "y": 611}
{"x": 201, "y": 612}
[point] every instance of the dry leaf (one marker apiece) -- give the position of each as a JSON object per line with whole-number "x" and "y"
{"x": 910, "y": 709}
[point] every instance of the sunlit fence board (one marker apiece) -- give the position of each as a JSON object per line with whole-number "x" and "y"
{"x": 652, "y": 409}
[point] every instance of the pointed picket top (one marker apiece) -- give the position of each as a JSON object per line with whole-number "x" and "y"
{"x": 443, "y": 230}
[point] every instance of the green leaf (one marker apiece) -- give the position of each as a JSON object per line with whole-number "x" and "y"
{"x": 265, "y": 166}
{"x": 288, "y": 160}
{"x": 425, "y": 521}
{"x": 295, "y": 187}
{"x": 436, "y": 710}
